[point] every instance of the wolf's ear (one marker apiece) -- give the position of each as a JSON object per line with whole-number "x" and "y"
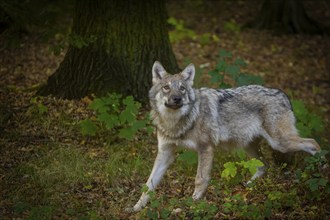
{"x": 189, "y": 74}
{"x": 158, "y": 72}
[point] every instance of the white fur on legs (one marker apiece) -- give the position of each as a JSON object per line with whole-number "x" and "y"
{"x": 165, "y": 157}
{"x": 205, "y": 159}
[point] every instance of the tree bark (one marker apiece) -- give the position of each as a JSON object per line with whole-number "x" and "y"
{"x": 285, "y": 16}
{"x": 114, "y": 44}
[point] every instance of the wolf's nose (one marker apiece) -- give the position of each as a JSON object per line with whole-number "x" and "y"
{"x": 177, "y": 99}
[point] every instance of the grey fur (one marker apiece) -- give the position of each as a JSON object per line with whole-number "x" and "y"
{"x": 205, "y": 119}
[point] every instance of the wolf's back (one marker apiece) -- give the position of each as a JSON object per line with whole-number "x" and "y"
{"x": 240, "y": 113}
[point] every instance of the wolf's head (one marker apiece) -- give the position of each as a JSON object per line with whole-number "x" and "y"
{"x": 172, "y": 92}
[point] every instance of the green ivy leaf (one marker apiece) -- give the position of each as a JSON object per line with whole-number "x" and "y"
{"x": 252, "y": 165}
{"x": 304, "y": 131}
{"x": 132, "y": 105}
{"x": 300, "y": 110}
{"x": 129, "y": 101}
{"x": 154, "y": 204}
{"x": 241, "y": 154}
{"x": 323, "y": 182}
{"x": 138, "y": 125}
{"x": 216, "y": 77}
{"x": 205, "y": 39}
{"x": 224, "y": 54}
{"x": 233, "y": 71}
{"x": 87, "y": 127}
{"x": 150, "y": 129}
{"x": 316, "y": 123}
{"x": 221, "y": 66}
{"x": 112, "y": 101}
{"x": 307, "y": 122}
{"x": 232, "y": 26}
{"x": 112, "y": 111}
{"x": 110, "y": 121}
{"x": 240, "y": 62}
{"x": 248, "y": 79}
{"x": 144, "y": 188}
{"x": 127, "y": 133}
{"x": 42, "y": 108}
{"x": 127, "y": 116}
{"x": 230, "y": 170}
{"x": 98, "y": 105}
{"x": 275, "y": 195}
{"x": 313, "y": 184}
{"x": 172, "y": 21}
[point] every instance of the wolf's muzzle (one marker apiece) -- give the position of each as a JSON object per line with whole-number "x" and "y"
{"x": 174, "y": 102}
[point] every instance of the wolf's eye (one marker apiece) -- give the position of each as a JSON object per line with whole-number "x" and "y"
{"x": 166, "y": 88}
{"x": 182, "y": 89}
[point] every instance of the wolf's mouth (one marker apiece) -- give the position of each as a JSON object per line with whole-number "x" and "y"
{"x": 173, "y": 106}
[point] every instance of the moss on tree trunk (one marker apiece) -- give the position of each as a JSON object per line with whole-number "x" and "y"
{"x": 113, "y": 46}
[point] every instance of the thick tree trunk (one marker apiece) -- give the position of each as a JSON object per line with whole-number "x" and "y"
{"x": 285, "y": 16}
{"x": 114, "y": 45}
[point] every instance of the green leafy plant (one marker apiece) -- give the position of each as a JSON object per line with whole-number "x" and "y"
{"x": 231, "y": 70}
{"x": 115, "y": 114}
{"x": 314, "y": 180}
{"x": 232, "y": 26}
{"x": 42, "y": 212}
{"x": 273, "y": 200}
{"x": 308, "y": 123}
{"x": 183, "y": 209}
{"x": 36, "y": 106}
{"x": 232, "y": 169}
{"x": 203, "y": 210}
{"x": 156, "y": 209}
{"x": 180, "y": 32}
{"x": 276, "y": 200}
{"x": 238, "y": 207}
{"x": 21, "y": 207}
{"x": 207, "y": 38}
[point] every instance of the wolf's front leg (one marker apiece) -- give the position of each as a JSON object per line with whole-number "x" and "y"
{"x": 164, "y": 158}
{"x": 205, "y": 159}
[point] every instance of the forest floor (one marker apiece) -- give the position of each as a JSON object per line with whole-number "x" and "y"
{"x": 49, "y": 170}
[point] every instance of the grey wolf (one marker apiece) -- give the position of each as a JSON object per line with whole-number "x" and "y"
{"x": 204, "y": 119}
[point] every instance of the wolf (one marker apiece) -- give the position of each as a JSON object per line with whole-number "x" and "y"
{"x": 204, "y": 119}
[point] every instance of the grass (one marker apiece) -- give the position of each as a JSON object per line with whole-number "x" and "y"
{"x": 71, "y": 179}
{"x": 91, "y": 182}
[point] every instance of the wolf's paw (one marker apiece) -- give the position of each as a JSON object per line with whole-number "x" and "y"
{"x": 129, "y": 210}
{"x": 248, "y": 183}
{"x": 132, "y": 209}
{"x": 197, "y": 196}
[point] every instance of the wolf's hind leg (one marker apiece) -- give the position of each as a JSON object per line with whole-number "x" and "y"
{"x": 253, "y": 151}
{"x": 308, "y": 145}
{"x": 282, "y": 135}
{"x": 296, "y": 143}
